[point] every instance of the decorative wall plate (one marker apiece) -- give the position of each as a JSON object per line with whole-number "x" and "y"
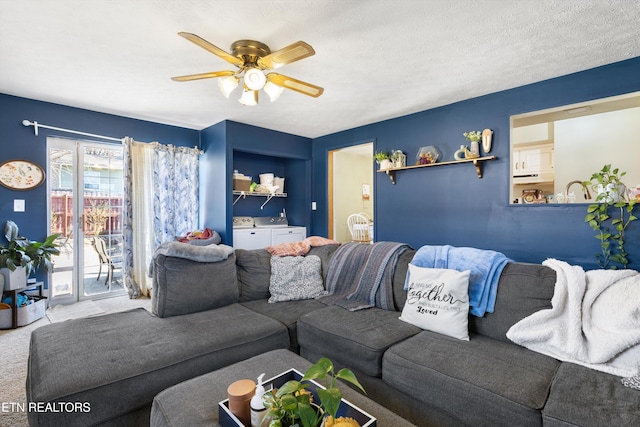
{"x": 21, "y": 175}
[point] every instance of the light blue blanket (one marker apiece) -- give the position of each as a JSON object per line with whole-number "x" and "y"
{"x": 485, "y": 266}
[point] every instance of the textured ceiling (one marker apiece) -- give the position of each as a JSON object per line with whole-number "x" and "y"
{"x": 376, "y": 59}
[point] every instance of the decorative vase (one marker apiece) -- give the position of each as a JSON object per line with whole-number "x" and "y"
{"x": 459, "y": 155}
{"x": 16, "y": 279}
{"x": 385, "y": 164}
{"x": 475, "y": 147}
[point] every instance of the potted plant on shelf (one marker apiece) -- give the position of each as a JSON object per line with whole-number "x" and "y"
{"x": 474, "y": 138}
{"x": 292, "y": 405}
{"x": 383, "y": 159}
{"x": 23, "y": 256}
{"x": 610, "y": 228}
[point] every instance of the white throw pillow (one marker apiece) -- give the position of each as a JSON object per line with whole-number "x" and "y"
{"x": 295, "y": 278}
{"x": 438, "y": 301}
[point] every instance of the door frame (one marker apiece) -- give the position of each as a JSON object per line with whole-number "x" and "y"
{"x": 78, "y": 242}
{"x": 333, "y": 190}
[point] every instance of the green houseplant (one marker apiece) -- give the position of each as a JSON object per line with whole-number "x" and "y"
{"x": 383, "y": 159}
{"x": 291, "y": 405}
{"x": 22, "y": 252}
{"x": 610, "y": 216}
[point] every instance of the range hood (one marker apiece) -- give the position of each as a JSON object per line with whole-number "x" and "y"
{"x": 534, "y": 178}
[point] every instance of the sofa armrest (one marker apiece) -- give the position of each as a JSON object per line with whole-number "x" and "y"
{"x": 182, "y": 286}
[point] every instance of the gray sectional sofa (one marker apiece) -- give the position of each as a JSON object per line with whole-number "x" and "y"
{"x": 210, "y": 315}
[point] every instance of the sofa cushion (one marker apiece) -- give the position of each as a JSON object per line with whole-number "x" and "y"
{"x": 585, "y": 397}
{"x": 523, "y": 289}
{"x": 438, "y": 301}
{"x": 356, "y": 339}
{"x": 399, "y": 277}
{"x": 295, "y": 278}
{"x": 254, "y": 272}
{"x": 480, "y": 382}
{"x": 182, "y": 286}
{"x": 287, "y": 312}
{"x": 122, "y": 360}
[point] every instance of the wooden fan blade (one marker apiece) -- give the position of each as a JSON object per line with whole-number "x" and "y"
{"x": 213, "y": 49}
{"x": 294, "y": 84}
{"x": 294, "y": 52}
{"x": 203, "y": 76}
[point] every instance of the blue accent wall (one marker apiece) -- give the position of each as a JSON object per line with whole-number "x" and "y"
{"x": 438, "y": 205}
{"x": 449, "y": 204}
{"x": 253, "y": 150}
{"x": 19, "y": 142}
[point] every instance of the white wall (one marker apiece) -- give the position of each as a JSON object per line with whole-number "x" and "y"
{"x": 583, "y": 146}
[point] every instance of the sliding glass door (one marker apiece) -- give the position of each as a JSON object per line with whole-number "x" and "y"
{"x": 85, "y": 189}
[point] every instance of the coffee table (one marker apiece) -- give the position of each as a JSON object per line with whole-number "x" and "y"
{"x": 195, "y": 402}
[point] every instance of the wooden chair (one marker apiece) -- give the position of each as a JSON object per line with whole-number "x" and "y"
{"x": 360, "y": 228}
{"x": 101, "y": 249}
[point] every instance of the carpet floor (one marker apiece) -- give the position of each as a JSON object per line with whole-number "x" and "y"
{"x": 14, "y": 351}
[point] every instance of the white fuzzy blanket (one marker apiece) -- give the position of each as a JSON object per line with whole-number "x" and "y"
{"x": 594, "y": 320}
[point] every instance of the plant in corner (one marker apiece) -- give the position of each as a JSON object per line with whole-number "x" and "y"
{"x": 610, "y": 228}
{"x": 291, "y": 405}
{"x": 22, "y": 252}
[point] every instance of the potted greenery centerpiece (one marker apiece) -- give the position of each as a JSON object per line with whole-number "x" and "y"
{"x": 23, "y": 256}
{"x": 383, "y": 159}
{"x": 610, "y": 216}
{"x": 292, "y": 405}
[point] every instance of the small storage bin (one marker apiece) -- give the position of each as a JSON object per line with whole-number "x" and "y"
{"x": 241, "y": 184}
{"x": 26, "y": 314}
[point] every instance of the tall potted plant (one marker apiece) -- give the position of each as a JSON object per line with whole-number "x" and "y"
{"x": 610, "y": 216}
{"x": 23, "y": 256}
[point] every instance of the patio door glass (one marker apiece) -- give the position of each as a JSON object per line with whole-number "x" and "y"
{"x": 85, "y": 195}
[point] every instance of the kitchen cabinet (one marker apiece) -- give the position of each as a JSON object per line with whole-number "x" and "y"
{"x": 534, "y": 161}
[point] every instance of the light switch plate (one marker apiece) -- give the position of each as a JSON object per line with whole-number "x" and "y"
{"x": 18, "y": 205}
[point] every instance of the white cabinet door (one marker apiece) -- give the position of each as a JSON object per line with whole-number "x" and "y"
{"x": 533, "y": 160}
{"x": 256, "y": 238}
{"x": 286, "y": 235}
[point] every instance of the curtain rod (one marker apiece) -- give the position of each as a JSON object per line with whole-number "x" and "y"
{"x": 36, "y": 125}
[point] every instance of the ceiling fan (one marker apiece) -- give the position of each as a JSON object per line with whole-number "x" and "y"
{"x": 251, "y": 58}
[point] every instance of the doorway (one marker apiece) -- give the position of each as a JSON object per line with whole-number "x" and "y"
{"x": 350, "y": 187}
{"x": 85, "y": 193}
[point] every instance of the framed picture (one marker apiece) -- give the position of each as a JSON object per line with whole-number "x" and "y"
{"x": 21, "y": 175}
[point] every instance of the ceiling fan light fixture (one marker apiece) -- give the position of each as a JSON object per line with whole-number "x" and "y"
{"x": 254, "y": 79}
{"x": 273, "y": 90}
{"x": 227, "y": 85}
{"x": 249, "y": 97}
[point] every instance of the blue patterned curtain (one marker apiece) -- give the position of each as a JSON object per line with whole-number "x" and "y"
{"x": 175, "y": 180}
{"x": 161, "y": 202}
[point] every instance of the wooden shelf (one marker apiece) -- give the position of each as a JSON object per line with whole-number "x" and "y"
{"x": 477, "y": 162}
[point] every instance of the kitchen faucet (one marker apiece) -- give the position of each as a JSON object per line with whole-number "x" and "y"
{"x": 585, "y": 190}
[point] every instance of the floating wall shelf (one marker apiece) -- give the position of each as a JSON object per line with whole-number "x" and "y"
{"x": 477, "y": 162}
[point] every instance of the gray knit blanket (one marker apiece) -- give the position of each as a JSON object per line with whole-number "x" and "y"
{"x": 360, "y": 275}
